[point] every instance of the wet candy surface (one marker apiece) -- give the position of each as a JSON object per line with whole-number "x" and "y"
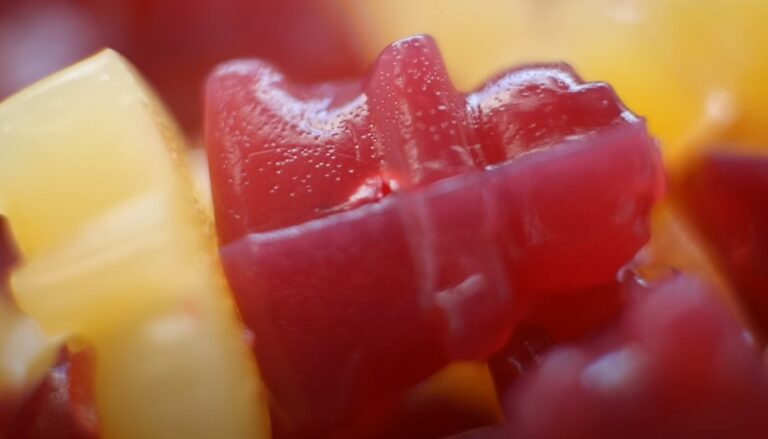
{"x": 286, "y": 153}
{"x": 373, "y": 231}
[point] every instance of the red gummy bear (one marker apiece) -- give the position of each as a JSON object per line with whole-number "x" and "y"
{"x": 374, "y": 231}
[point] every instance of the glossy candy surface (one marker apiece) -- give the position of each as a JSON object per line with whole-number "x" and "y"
{"x": 397, "y": 220}
{"x": 693, "y": 67}
{"x": 283, "y": 153}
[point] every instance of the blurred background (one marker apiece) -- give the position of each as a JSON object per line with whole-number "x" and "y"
{"x": 175, "y": 42}
{"x": 694, "y": 68}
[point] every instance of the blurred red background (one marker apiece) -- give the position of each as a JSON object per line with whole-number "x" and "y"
{"x": 174, "y": 42}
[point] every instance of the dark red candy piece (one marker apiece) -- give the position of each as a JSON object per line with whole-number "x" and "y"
{"x": 545, "y": 321}
{"x": 521, "y": 354}
{"x": 370, "y": 239}
{"x": 433, "y": 419}
{"x": 496, "y": 432}
{"x": 60, "y": 407}
{"x": 9, "y": 257}
{"x": 726, "y": 196}
{"x": 9, "y": 254}
{"x": 678, "y": 366}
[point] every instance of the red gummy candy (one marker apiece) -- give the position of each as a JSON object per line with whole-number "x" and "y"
{"x": 284, "y": 153}
{"x": 374, "y": 231}
{"x": 60, "y": 407}
{"x": 545, "y": 321}
{"x": 678, "y": 366}
{"x": 726, "y": 197}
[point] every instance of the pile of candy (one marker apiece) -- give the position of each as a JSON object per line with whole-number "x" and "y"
{"x": 373, "y": 253}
